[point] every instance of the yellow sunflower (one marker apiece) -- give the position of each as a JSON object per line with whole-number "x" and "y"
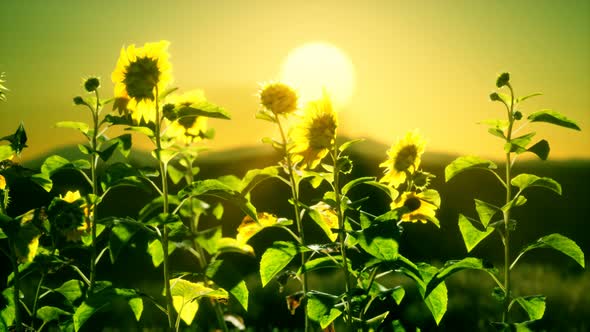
{"x": 404, "y": 157}
{"x": 422, "y": 206}
{"x": 278, "y": 98}
{"x": 2, "y": 183}
{"x": 139, "y": 73}
{"x": 191, "y": 128}
{"x": 249, "y": 227}
{"x": 315, "y": 134}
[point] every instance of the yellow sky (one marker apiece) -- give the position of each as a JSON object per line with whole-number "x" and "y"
{"x": 427, "y": 64}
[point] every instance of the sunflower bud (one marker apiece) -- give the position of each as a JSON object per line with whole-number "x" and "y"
{"x": 79, "y": 101}
{"x": 91, "y": 84}
{"x": 495, "y": 97}
{"x": 517, "y": 115}
{"x": 502, "y": 79}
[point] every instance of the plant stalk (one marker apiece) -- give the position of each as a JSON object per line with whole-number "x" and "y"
{"x": 94, "y": 163}
{"x": 17, "y": 316}
{"x": 296, "y": 210}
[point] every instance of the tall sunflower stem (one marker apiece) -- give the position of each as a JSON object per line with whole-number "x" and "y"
{"x": 506, "y": 214}
{"x": 93, "y": 165}
{"x": 16, "y": 284}
{"x": 342, "y": 234}
{"x": 296, "y": 210}
{"x": 164, "y": 240}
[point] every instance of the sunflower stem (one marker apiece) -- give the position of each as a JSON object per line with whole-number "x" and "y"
{"x": 506, "y": 213}
{"x": 164, "y": 177}
{"x": 295, "y": 193}
{"x": 93, "y": 165}
{"x": 14, "y": 260}
{"x": 342, "y": 233}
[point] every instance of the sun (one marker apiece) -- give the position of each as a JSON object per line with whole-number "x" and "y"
{"x": 318, "y": 65}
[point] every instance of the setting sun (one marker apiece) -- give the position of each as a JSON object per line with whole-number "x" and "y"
{"x": 319, "y": 65}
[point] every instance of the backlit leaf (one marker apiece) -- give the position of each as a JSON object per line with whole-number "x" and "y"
{"x": 462, "y": 164}
{"x": 553, "y": 117}
{"x": 49, "y": 313}
{"x": 523, "y": 181}
{"x": 533, "y": 305}
{"x": 471, "y": 234}
{"x": 560, "y": 243}
{"x": 275, "y": 259}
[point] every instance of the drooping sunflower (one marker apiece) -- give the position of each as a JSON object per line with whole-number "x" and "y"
{"x": 141, "y": 72}
{"x": 187, "y": 129}
{"x": 403, "y": 157}
{"x": 421, "y": 206}
{"x": 70, "y": 215}
{"x": 278, "y": 98}
{"x": 315, "y": 134}
{"x": 249, "y": 227}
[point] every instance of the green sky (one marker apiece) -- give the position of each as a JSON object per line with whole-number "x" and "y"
{"x": 421, "y": 64}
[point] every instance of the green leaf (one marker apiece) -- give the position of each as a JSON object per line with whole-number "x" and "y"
{"x": 240, "y": 292}
{"x": 120, "y": 236}
{"x": 397, "y": 294}
{"x": 123, "y": 144}
{"x": 266, "y": 115}
{"x": 7, "y": 315}
{"x": 80, "y": 126}
{"x": 437, "y": 299}
{"x": 326, "y": 262}
{"x": 256, "y": 176}
{"x": 497, "y": 124}
{"x": 121, "y": 174}
{"x": 17, "y": 140}
{"x": 6, "y": 152}
{"x": 553, "y": 117}
{"x": 486, "y": 211}
{"x": 43, "y": 181}
{"x": 472, "y": 235}
{"x": 523, "y": 181}
{"x": 155, "y": 250}
{"x": 209, "y": 238}
{"x": 185, "y": 295}
{"x": 348, "y": 144}
{"x": 380, "y": 240}
{"x": 519, "y": 144}
{"x": 355, "y": 183}
{"x": 462, "y": 164}
{"x": 136, "y": 305}
{"x": 49, "y": 313}
{"x": 521, "y": 99}
{"x": 275, "y": 259}
{"x": 497, "y": 132}
{"x": 320, "y": 308}
{"x": 453, "y": 266}
{"x": 216, "y": 188}
{"x": 203, "y": 108}
{"x": 175, "y": 174}
{"x": 71, "y": 290}
{"x": 100, "y": 301}
{"x": 55, "y": 163}
{"x": 541, "y": 149}
{"x": 560, "y": 243}
{"x": 533, "y": 305}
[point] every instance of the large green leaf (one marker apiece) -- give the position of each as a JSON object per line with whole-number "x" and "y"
{"x": 209, "y": 238}
{"x": 71, "y": 290}
{"x": 155, "y": 250}
{"x": 560, "y": 243}
{"x": 120, "y": 235}
{"x": 553, "y": 117}
{"x": 320, "y": 308}
{"x": 203, "y": 108}
{"x": 256, "y": 176}
{"x": 486, "y": 211}
{"x": 241, "y": 293}
{"x": 121, "y": 174}
{"x": 7, "y": 315}
{"x": 541, "y": 149}
{"x": 6, "y": 152}
{"x": 103, "y": 300}
{"x": 472, "y": 235}
{"x": 326, "y": 262}
{"x": 453, "y": 266}
{"x": 216, "y": 188}
{"x": 355, "y": 183}
{"x": 380, "y": 240}
{"x": 55, "y": 163}
{"x": 533, "y": 305}
{"x": 523, "y": 181}
{"x": 275, "y": 259}
{"x": 437, "y": 299}
{"x": 80, "y": 126}
{"x": 49, "y": 313}
{"x": 185, "y": 295}
{"x": 462, "y": 164}
{"x": 519, "y": 144}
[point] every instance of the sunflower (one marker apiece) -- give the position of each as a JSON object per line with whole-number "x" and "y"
{"x": 314, "y": 135}
{"x": 141, "y": 73}
{"x": 249, "y": 227}
{"x": 404, "y": 157}
{"x": 278, "y": 98}
{"x": 187, "y": 129}
{"x": 421, "y": 206}
{"x": 71, "y": 215}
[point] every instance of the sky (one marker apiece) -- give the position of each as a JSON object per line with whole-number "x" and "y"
{"x": 428, "y": 65}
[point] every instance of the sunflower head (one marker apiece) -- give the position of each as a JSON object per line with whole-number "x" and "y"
{"x": 278, "y": 97}
{"x": 186, "y": 129}
{"x": 403, "y": 157}
{"x": 418, "y": 206}
{"x": 139, "y": 75}
{"x": 315, "y": 133}
{"x": 70, "y": 215}
{"x": 91, "y": 84}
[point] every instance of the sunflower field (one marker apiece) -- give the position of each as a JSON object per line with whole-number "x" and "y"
{"x": 320, "y": 244}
